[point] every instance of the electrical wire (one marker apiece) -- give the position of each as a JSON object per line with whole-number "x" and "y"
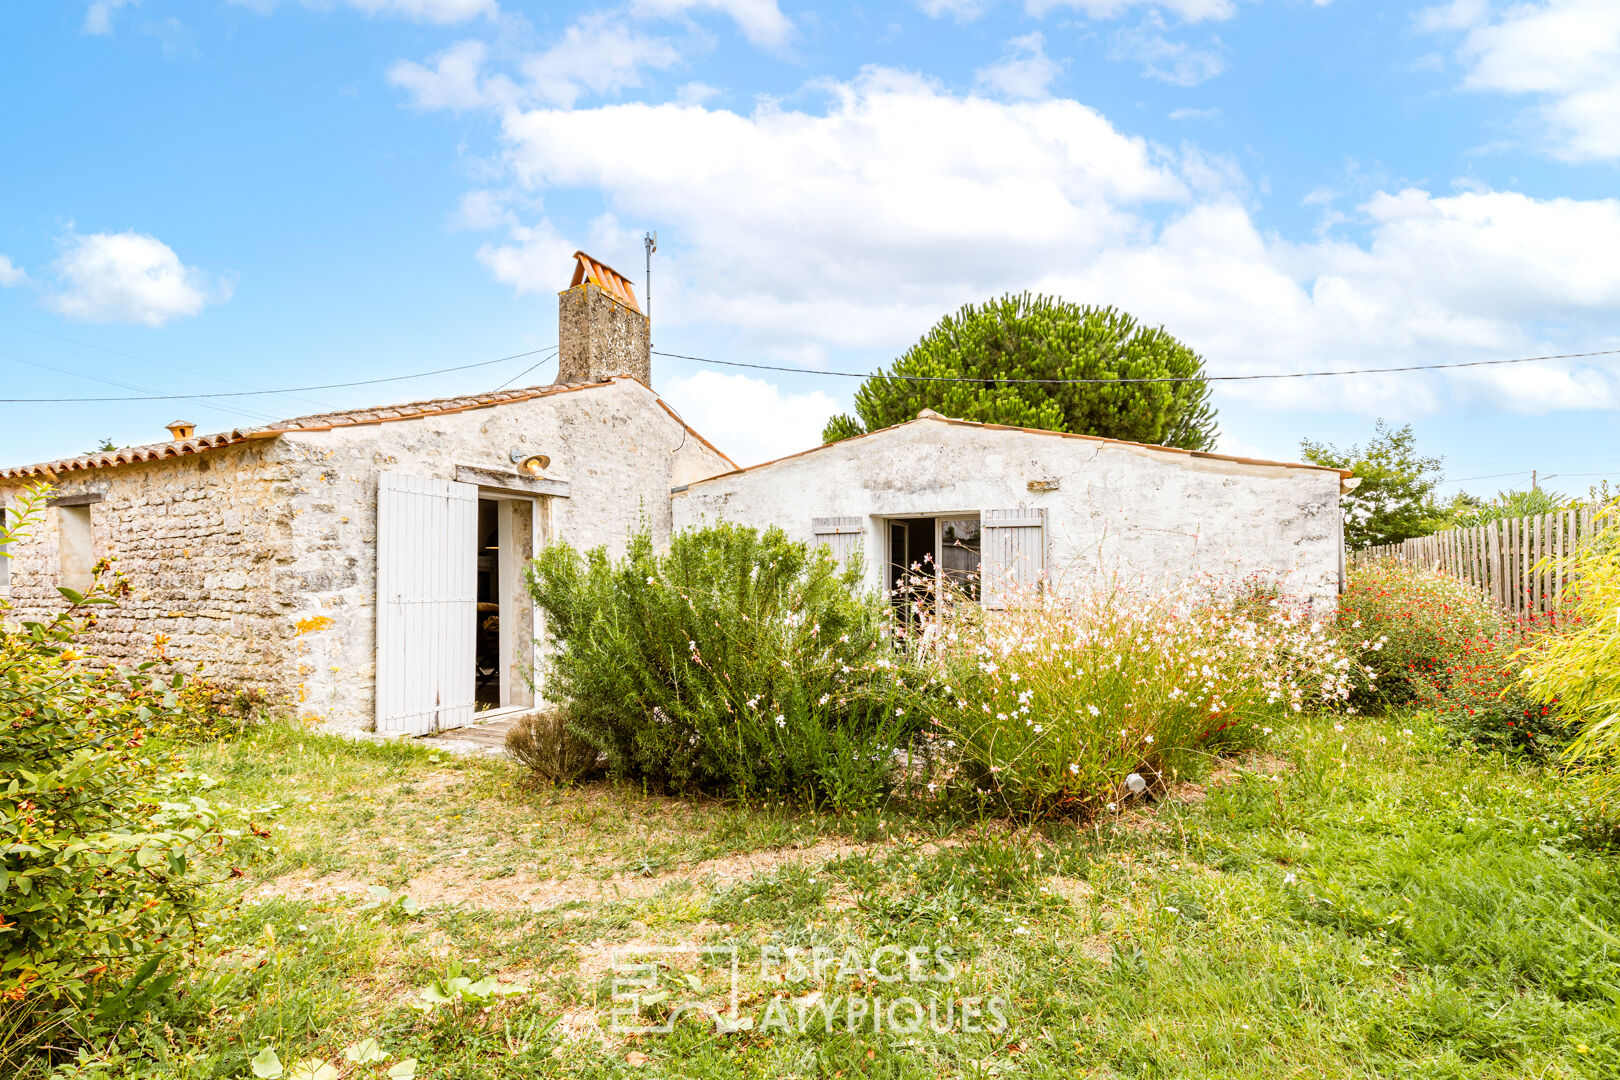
{"x": 525, "y": 371}
{"x": 285, "y": 390}
{"x": 1492, "y": 476}
{"x": 146, "y": 360}
{"x": 1164, "y": 379}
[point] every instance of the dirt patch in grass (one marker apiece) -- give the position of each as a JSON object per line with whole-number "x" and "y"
{"x": 443, "y": 886}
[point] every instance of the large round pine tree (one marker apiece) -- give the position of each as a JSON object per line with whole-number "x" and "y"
{"x": 1024, "y": 337}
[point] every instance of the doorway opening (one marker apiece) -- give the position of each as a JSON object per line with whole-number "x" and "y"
{"x": 929, "y": 556}
{"x": 504, "y": 613}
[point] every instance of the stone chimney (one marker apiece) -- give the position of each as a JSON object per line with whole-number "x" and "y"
{"x": 180, "y": 429}
{"x": 600, "y": 328}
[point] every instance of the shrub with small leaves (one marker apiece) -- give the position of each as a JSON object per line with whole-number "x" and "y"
{"x": 107, "y": 842}
{"x": 543, "y": 742}
{"x": 738, "y": 662}
{"x": 1477, "y": 695}
{"x": 1407, "y": 625}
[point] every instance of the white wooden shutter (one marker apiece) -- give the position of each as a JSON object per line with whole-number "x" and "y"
{"x": 427, "y": 610}
{"x": 1012, "y": 555}
{"x": 846, "y": 536}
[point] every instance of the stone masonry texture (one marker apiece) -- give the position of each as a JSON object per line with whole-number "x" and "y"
{"x": 259, "y": 561}
{"x": 599, "y": 337}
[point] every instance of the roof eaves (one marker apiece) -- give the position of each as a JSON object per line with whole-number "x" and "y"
{"x": 1343, "y": 473}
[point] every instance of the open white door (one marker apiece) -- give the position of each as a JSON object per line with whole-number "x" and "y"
{"x": 427, "y": 602}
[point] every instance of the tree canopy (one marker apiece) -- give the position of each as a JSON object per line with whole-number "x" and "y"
{"x": 1395, "y": 499}
{"x": 993, "y": 345}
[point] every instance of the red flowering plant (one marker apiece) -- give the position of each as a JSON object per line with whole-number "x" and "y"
{"x": 1409, "y": 626}
{"x": 1478, "y": 695}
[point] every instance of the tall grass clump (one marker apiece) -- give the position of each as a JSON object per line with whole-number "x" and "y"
{"x": 738, "y": 662}
{"x": 1578, "y": 671}
{"x": 1407, "y": 625}
{"x": 1054, "y": 704}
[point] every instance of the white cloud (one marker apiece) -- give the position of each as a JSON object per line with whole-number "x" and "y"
{"x": 962, "y": 11}
{"x": 98, "y": 16}
{"x": 751, "y": 419}
{"x": 761, "y": 21}
{"x": 1187, "y": 10}
{"x": 10, "y": 273}
{"x": 1212, "y": 113}
{"x": 129, "y": 277}
{"x": 530, "y": 262}
{"x": 1566, "y": 52}
{"x": 856, "y": 225}
{"x": 427, "y": 11}
{"x": 1174, "y": 62}
{"x": 599, "y": 54}
{"x": 451, "y": 83}
{"x": 696, "y": 93}
{"x": 1024, "y": 70}
{"x": 483, "y": 209}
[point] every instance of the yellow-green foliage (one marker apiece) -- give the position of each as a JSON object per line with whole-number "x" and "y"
{"x": 1579, "y": 670}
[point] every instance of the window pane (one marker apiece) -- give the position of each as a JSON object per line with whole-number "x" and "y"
{"x": 959, "y": 554}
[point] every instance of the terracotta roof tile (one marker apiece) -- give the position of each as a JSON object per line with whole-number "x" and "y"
{"x": 605, "y": 277}
{"x": 317, "y": 422}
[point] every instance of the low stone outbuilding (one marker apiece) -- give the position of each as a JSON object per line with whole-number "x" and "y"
{"x": 1019, "y": 509}
{"x": 367, "y": 565}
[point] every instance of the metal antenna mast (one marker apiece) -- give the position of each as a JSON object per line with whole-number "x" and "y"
{"x": 651, "y": 243}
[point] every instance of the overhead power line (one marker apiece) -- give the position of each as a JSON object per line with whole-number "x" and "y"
{"x": 284, "y": 390}
{"x": 1115, "y": 382}
{"x": 526, "y": 370}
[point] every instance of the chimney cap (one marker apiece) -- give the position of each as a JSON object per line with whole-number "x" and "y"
{"x": 180, "y": 429}
{"x": 604, "y": 277}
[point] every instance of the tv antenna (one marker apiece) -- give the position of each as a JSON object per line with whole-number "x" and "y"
{"x": 651, "y": 243}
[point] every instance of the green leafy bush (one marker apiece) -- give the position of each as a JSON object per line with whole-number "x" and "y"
{"x": 1407, "y": 626}
{"x": 107, "y": 843}
{"x": 738, "y": 662}
{"x": 1578, "y": 672}
{"x": 1067, "y": 705}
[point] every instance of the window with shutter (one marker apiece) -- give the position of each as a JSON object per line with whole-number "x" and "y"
{"x": 846, "y": 536}
{"x": 1013, "y": 555}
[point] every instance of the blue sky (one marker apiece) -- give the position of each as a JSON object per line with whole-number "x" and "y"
{"x": 209, "y": 197}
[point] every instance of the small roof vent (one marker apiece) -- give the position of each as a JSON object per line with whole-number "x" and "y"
{"x": 929, "y": 414}
{"x": 603, "y": 276}
{"x": 181, "y": 429}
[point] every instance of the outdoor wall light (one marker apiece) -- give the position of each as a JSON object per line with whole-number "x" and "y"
{"x": 532, "y": 464}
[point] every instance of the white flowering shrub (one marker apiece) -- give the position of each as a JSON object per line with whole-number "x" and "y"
{"x": 1055, "y": 703}
{"x": 738, "y": 662}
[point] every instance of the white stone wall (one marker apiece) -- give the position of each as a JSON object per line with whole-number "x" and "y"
{"x": 1118, "y": 509}
{"x": 615, "y": 446}
{"x": 205, "y": 543}
{"x": 259, "y": 561}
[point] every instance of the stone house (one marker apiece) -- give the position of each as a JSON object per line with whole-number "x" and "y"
{"x": 1007, "y": 509}
{"x": 367, "y": 565}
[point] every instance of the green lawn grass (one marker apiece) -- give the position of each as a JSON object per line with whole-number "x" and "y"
{"x": 1358, "y": 903}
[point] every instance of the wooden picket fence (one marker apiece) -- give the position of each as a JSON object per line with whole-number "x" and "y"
{"x": 1503, "y": 559}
